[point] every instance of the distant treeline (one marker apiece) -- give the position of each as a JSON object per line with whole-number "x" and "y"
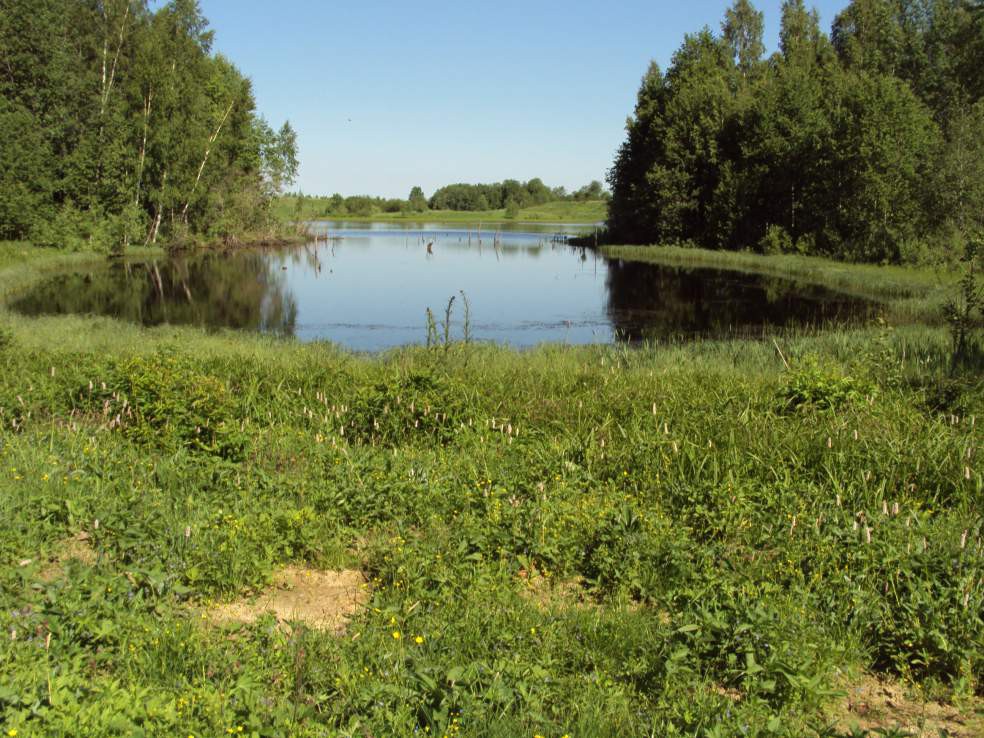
{"x": 510, "y": 195}
{"x": 119, "y": 125}
{"x": 867, "y": 144}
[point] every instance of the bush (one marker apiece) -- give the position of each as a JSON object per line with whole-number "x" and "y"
{"x": 163, "y": 400}
{"x": 418, "y": 405}
{"x": 816, "y": 387}
{"x": 645, "y": 558}
{"x": 776, "y": 241}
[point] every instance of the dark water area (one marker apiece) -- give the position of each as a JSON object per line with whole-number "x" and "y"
{"x": 369, "y": 287}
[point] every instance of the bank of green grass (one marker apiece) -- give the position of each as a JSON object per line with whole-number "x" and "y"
{"x": 724, "y": 543}
{"x": 561, "y": 211}
{"x": 22, "y": 264}
{"x": 910, "y": 294}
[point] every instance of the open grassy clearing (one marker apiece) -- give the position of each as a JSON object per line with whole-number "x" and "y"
{"x": 910, "y": 294}
{"x": 682, "y": 540}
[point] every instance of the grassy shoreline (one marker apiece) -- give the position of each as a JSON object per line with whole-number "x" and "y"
{"x": 910, "y": 293}
{"x": 597, "y": 540}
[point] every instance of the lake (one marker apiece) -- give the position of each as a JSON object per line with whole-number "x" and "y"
{"x": 369, "y": 286}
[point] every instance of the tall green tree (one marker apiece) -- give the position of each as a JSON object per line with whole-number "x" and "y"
{"x": 742, "y": 30}
{"x": 118, "y": 123}
{"x": 845, "y": 147}
{"x": 417, "y": 200}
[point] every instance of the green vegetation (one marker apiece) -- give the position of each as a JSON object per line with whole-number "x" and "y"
{"x": 119, "y": 126}
{"x": 910, "y": 294}
{"x": 679, "y": 540}
{"x": 508, "y": 200}
{"x": 708, "y": 539}
{"x": 863, "y": 146}
{"x": 294, "y": 207}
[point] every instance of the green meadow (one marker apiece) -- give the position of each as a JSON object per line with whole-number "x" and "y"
{"x": 711, "y": 538}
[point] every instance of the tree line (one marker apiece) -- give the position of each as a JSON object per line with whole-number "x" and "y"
{"x": 510, "y": 195}
{"x": 120, "y": 125}
{"x": 866, "y": 144}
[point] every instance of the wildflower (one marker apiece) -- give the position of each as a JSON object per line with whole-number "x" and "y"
{"x": 418, "y": 640}
{"x": 12, "y": 732}
{"x": 396, "y": 635}
{"x": 44, "y": 477}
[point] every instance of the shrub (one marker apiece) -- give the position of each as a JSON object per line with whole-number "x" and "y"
{"x": 418, "y": 405}
{"x": 776, "y": 241}
{"x": 163, "y": 400}
{"x": 646, "y": 558}
{"x": 815, "y": 387}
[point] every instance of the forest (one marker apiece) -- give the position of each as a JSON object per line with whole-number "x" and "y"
{"x": 865, "y": 144}
{"x": 119, "y": 125}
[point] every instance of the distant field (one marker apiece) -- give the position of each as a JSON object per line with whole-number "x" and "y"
{"x": 562, "y": 211}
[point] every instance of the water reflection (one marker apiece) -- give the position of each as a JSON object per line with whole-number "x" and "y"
{"x": 241, "y": 290}
{"x": 648, "y": 301}
{"x": 369, "y": 289}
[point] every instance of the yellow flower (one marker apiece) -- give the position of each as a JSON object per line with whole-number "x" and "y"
{"x": 44, "y": 477}
{"x": 418, "y": 640}
{"x": 532, "y": 631}
{"x": 12, "y": 732}
{"x": 396, "y": 635}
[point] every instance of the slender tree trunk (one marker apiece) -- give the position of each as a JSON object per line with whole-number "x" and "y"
{"x": 156, "y": 225}
{"x": 208, "y": 151}
{"x": 107, "y": 83}
{"x": 143, "y": 145}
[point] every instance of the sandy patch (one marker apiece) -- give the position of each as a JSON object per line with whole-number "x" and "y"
{"x": 872, "y": 704}
{"x": 324, "y": 600}
{"x": 548, "y": 594}
{"x": 77, "y": 548}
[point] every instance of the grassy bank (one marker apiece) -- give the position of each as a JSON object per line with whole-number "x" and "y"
{"x": 683, "y": 540}
{"x": 562, "y": 211}
{"x": 23, "y": 264}
{"x": 909, "y": 293}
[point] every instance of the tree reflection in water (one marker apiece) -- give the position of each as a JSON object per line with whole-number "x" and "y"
{"x": 649, "y": 301}
{"x": 243, "y": 290}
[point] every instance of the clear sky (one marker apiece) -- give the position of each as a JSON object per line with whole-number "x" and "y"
{"x": 386, "y": 95}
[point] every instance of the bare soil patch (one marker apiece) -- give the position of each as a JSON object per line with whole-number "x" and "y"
{"x": 324, "y": 600}
{"x": 78, "y": 548}
{"x": 872, "y": 704}
{"x": 548, "y": 593}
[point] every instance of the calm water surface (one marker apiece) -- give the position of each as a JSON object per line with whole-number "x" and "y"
{"x": 369, "y": 287}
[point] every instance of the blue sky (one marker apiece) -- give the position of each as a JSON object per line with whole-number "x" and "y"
{"x": 386, "y": 95}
